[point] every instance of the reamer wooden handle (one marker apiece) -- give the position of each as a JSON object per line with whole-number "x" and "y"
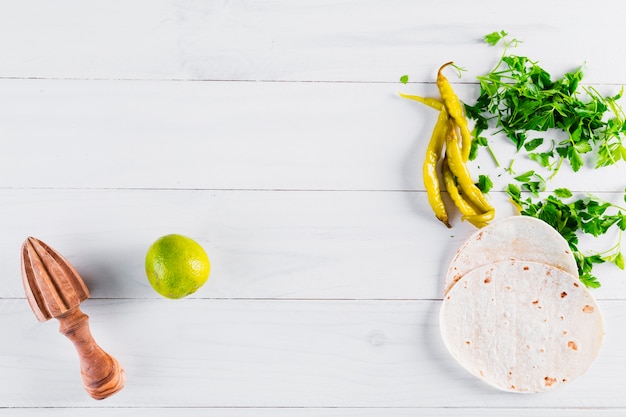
{"x": 101, "y": 374}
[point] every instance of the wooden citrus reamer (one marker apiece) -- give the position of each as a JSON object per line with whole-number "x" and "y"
{"x": 54, "y": 289}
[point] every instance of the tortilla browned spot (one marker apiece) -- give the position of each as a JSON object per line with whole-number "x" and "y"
{"x": 503, "y": 338}
{"x": 515, "y": 237}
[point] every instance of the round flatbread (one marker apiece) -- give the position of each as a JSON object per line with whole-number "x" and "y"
{"x": 515, "y": 237}
{"x": 522, "y": 326}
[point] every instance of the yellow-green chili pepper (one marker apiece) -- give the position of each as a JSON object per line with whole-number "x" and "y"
{"x": 430, "y": 102}
{"x": 461, "y": 172}
{"x": 455, "y": 110}
{"x": 429, "y": 170}
{"x": 468, "y": 211}
{"x": 481, "y": 220}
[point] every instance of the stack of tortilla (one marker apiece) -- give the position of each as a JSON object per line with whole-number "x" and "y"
{"x": 514, "y": 313}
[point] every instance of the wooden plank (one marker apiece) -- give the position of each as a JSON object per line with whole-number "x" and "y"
{"x": 230, "y": 135}
{"x": 275, "y": 354}
{"x": 308, "y": 40}
{"x": 263, "y": 244}
{"x": 314, "y": 412}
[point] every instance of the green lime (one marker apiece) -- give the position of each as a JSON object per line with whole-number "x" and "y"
{"x": 177, "y": 266}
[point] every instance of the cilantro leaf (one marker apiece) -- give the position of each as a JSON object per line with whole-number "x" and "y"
{"x": 619, "y": 261}
{"x": 542, "y": 158}
{"x": 525, "y": 177}
{"x": 589, "y": 280}
{"x": 495, "y": 37}
{"x": 563, "y": 193}
{"x": 575, "y": 160}
{"x": 484, "y": 183}
{"x": 533, "y": 144}
{"x": 476, "y": 142}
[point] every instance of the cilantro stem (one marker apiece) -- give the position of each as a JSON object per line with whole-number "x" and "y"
{"x": 556, "y": 170}
{"x": 613, "y": 249}
{"x": 509, "y": 169}
{"x": 493, "y": 156}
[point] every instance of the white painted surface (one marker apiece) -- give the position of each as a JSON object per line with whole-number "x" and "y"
{"x": 272, "y": 133}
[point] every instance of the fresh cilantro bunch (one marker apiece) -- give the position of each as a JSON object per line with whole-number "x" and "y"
{"x": 520, "y": 99}
{"x": 518, "y": 96}
{"x": 571, "y": 217}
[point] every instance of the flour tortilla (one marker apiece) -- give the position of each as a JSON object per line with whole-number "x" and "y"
{"x": 522, "y": 326}
{"x": 515, "y": 237}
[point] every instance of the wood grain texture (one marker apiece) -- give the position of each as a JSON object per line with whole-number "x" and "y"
{"x": 102, "y": 375}
{"x": 262, "y": 244}
{"x": 307, "y": 41}
{"x": 54, "y": 289}
{"x": 235, "y": 135}
{"x": 271, "y": 132}
{"x": 312, "y": 412}
{"x": 291, "y": 353}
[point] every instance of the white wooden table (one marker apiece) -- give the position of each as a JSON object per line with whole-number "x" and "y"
{"x": 272, "y": 133}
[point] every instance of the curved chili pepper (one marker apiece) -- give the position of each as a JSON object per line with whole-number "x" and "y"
{"x": 429, "y": 170}
{"x": 461, "y": 172}
{"x": 455, "y": 110}
{"x": 430, "y": 102}
{"x": 468, "y": 211}
{"x": 481, "y": 220}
